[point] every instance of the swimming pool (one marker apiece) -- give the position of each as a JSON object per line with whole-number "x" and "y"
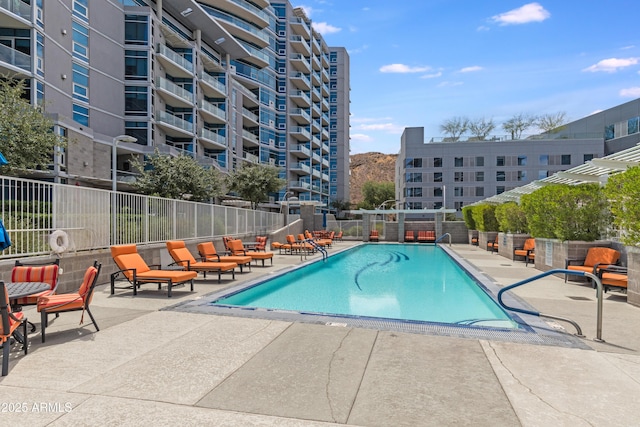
{"x": 406, "y": 282}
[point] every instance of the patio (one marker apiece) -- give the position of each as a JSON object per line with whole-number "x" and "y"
{"x": 150, "y": 365}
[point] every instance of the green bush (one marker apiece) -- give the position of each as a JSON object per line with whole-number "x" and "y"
{"x": 484, "y": 217}
{"x": 566, "y": 212}
{"x": 511, "y": 218}
{"x": 467, "y": 215}
{"x": 623, "y": 192}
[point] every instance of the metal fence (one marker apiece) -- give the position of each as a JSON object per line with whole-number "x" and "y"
{"x": 349, "y": 228}
{"x": 90, "y": 218}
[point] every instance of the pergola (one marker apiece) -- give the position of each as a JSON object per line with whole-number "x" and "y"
{"x": 595, "y": 170}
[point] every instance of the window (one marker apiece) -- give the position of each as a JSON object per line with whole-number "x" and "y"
{"x": 458, "y": 177}
{"x": 80, "y": 82}
{"x": 458, "y": 162}
{"x": 39, "y": 13}
{"x": 479, "y": 191}
{"x": 413, "y": 163}
{"x": 499, "y": 189}
{"x": 40, "y": 54}
{"x": 522, "y": 175}
{"x": 136, "y": 30}
{"x": 437, "y": 162}
{"x": 414, "y": 205}
{"x": 437, "y": 205}
{"x": 542, "y": 174}
{"x": 500, "y": 161}
{"x": 80, "y": 42}
{"x": 500, "y": 176}
{"x": 479, "y": 161}
{"x": 413, "y": 177}
{"x": 565, "y": 159}
{"x": 480, "y": 176}
{"x": 458, "y": 192}
{"x": 135, "y": 100}
{"x": 588, "y": 157}
{"x": 458, "y": 205}
{"x": 437, "y": 192}
{"x": 632, "y": 126}
{"x": 136, "y": 64}
{"x": 437, "y": 177}
{"x": 609, "y": 132}
{"x": 413, "y": 192}
{"x": 522, "y": 160}
{"x": 544, "y": 159}
{"x": 137, "y": 130}
{"x": 80, "y": 10}
{"x": 81, "y": 114}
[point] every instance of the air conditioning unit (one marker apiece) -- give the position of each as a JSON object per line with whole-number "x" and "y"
{"x": 271, "y": 103}
{"x": 282, "y": 125}
{"x": 282, "y": 89}
{"x": 232, "y": 68}
{"x": 282, "y": 70}
{"x": 271, "y": 123}
{"x": 282, "y": 51}
{"x": 282, "y": 33}
{"x": 282, "y": 107}
{"x": 282, "y": 163}
{"x": 272, "y": 141}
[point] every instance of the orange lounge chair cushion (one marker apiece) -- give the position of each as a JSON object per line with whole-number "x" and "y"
{"x": 237, "y": 248}
{"x": 208, "y": 252}
{"x": 183, "y": 257}
{"x": 127, "y": 257}
{"x": 165, "y": 275}
{"x": 601, "y": 256}
{"x": 520, "y": 252}
{"x": 614, "y": 279}
{"x": 60, "y": 302}
{"x": 45, "y": 273}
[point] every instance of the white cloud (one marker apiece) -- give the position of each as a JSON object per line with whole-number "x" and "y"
{"x": 483, "y": 28}
{"x": 611, "y": 65}
{"x": 531, "y": 12}
{"x": 432, "y": 76}
{"x": 627, "y": 47}
{"x": 324, "y": 28}
{"x": 401, "y": 68}
{"x": 450, "y": 84}
{"x": 471, "y": 69}
{"x": 360, "y": 137}
{"x": 632, "y": 92}
{"x": 308, "y": 10}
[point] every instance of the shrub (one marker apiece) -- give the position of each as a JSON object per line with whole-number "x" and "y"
{"x": 623, "y": 192}
{"x": 484, "y": 217}
{"x": 511, "y": 218}
{"x": 566, "y": 212}
{"x": 467, "y": 215}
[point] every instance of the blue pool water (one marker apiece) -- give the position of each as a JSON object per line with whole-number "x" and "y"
{"x": 408, "y": 282}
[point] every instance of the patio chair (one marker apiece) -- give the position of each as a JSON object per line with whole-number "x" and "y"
{"x": 374, "y": 236}
{"x": 261, "y": 243}
{"x": 475, "y": 241}
{"x": 76, "y": 301}
{"x": 36, "y": 272}
{"x": 237, "y": 248}
{"x": 207, "y": 252}
{"x": 10, "y": 322}
{"x": 426, "y": 236}
{"x": 613, "y": 276}
{"x": 338, "y": 236}
{"x": 183, "y": 258}
{"x": 527, "y": 251}
{"x": 597, "y": 257}
{"x": 136, "y": 271}
{"x": 409, "y": 236}
{"x": 493, "y": 246}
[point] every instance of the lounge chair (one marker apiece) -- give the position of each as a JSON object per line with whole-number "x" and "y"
{"x": 237, "y": 248}
{"x": 493, "y": 246}
{"x": 374, "y": 236}
{"x": 136, "y": 271}
{"x": 10, "y": 322}
{"x": 527, "y": 251}
{"x": 597, "y": 257}
{"x": 321, "y": 241}
{"x": 261, "y": 243}
{"x": 613, "y": 276}
{"x": 426, "y": 236}
{"x": 43, "y": 272}
{"x": 183, "y": 258}
{"x": 408, "y": 236}
{"x": 207, "y": 252}
{"x": 338, "y": 236}
{"x": 475, "y": 241}
{"x": 76, "y": 301}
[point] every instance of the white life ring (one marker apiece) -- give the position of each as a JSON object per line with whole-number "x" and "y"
{"x": 59, "y": 241}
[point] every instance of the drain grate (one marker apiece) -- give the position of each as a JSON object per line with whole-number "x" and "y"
{"x": 580, "y": 298}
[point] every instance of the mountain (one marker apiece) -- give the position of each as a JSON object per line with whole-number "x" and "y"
{"x": 366, "y": 167}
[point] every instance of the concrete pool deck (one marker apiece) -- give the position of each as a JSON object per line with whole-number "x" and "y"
{"x": 153, "y": 366}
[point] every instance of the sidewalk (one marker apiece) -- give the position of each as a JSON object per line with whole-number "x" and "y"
{"x": 151, "y": 367}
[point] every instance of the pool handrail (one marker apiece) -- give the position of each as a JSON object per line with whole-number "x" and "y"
{"x": 317, "y": 247}
{"x": 442, "y": 237}
{"x": 593, "y": 277}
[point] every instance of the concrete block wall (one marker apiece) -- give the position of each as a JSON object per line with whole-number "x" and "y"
{"x": 508, "y": 242}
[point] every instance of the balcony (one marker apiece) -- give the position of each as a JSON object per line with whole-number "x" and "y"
{"x": 300, "y": 98}
{"x": 250, "y": 138}
{"x": 301, "y": 116}
{"x": 13, "y": 61}
{"x": 300, "y": 44}
{"x": 251, "y": 158}
{"x": 248, "y": 12}
{"x": 250, "y": 119}
{"x": 212, "y": 140}
{"x": 9, "y": 9}
{"x": 212, "y": 87}
{"x": 174, "y": 126}
{"x": 300, "y": 151}
{"x": 325, "y": 76}
{"x": 258, "y": 58}
{"x": 300, "y": 27}
{"x": 300, "y": 63}
{"x": 300, "y": 80}
{"x": 300, "y": 133}
{"x": 300, "y": 168}
{"x": 212, "y": 113}
{"x": 173, "y": 94}
{"x": 174, "y": 64}
{"x": 299, "y": 185}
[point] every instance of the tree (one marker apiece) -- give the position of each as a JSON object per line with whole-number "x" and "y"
{"x": 340, "y": 205}
{"x": 455, "y": 127}
{"x": 375, "y": 193}
{"x": 179, "y": 177}
{"x": 254, "y": 182}
{"x": 27, "y": 139}
{"x": 552, "y": 121}
{"x": 518, "y": 124}
{"x": 481, "y": 128}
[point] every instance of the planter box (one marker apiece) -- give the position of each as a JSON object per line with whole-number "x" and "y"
{"x": 486, "y": 236}
{"x": 507, "y": 242}
{"x": 633, "y": 270}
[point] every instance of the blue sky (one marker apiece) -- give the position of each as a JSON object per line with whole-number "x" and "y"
{"x": 420, "y": 62}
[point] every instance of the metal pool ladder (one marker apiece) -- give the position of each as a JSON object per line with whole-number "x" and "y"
{"x": 593, "y": 277}
{"x": 442, "y": 237}
{"x": 319, "y": 248}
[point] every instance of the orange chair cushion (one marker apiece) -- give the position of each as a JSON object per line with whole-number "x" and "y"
{"x": 206, "y": 248}
{"x": 529, "y": 244}
{"x": 45, "y": 273}
{"x": 164, "y": 275}
{"x": 520, "y": 252}
{"x": 261, "y": 255}
{"x": 128, "y": 261}
{"x": 60, "y": 302}
{"x": 601, "y": 256}
{"x": 208, "y": 251}
{"x": 585, "y": 268}
{"x": 615, "y": 279}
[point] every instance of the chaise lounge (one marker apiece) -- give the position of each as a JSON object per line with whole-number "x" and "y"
{"x": 182, "y": 257}
{"x": 597, "y": 257}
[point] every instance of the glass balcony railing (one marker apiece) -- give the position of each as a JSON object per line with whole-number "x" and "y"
{"x": 174, "y": 89}
{"x": 174, "y": 57}
{"x": 174, "y": 121}
{"x": 212, "y": 136}
{"x": 17, "y": 7}
{"x": 251, "y": 8}
{"x": 213, "y": 82}
{"x": 212, "y": 109}
{"x": 15, "y": 58}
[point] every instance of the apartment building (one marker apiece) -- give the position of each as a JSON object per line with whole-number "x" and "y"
{"x": 431, "y": 175}
{"x": 226, "y": 82}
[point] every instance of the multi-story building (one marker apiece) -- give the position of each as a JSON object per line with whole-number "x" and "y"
{"x": 226, "y": 82}
{"x": 431, "y": 175}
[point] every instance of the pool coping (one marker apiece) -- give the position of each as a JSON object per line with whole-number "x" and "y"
{"x": 534, "y": 330}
